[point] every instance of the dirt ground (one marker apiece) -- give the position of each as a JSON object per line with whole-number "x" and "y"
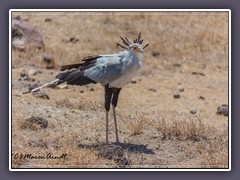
{"x": 187, "y": 57}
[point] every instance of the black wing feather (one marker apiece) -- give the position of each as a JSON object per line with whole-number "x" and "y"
{"x": 75, "y": 75}
{"x": 90, "y": 60}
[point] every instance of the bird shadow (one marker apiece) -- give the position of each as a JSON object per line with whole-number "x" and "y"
{"x": 132, "y": 148}
{"x": 116, "y": 151}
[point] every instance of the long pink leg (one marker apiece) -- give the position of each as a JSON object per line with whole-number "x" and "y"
{"x": 106, "y": 127}
{"x": 115, "y": 122}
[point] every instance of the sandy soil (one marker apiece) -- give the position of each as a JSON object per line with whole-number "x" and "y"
{"x": 188, "y": 51}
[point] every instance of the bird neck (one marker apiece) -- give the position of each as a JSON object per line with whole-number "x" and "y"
{"x": 131, "y": 53}
{"x": 136, "y": 55}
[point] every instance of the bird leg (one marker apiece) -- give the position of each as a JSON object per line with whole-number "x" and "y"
{"x": 108, "y": 97}
{"x": 114, "y": 103}
{"x": 106, "y": 127}
{"x": 115, "y": 122}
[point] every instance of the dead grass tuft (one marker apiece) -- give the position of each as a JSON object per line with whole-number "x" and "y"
{"x": 191, "y": 129}
{"x": 136, "y": 123}
{"x": 214, "y": 154}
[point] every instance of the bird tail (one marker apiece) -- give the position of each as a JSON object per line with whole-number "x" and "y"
{"x": 43, "y": 86}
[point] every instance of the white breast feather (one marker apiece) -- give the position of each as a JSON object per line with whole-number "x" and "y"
{"x": 128, "y": 73}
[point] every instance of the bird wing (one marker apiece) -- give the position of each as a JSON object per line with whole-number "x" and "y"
{"x": 107, "y": 68}
{"x": 86, "y": 63}
{"x": 94, "y": 69}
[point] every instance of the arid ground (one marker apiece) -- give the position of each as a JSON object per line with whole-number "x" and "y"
{"x": 166, "y": 116}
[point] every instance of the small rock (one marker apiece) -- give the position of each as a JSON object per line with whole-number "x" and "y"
{"x": 180, "y": 88}
{"x": 33, "y": 71}
{"x": 152, "y": 89}
{"x": 50, "y": 67}
{"x": 53, "y": 86}
{"x": 48, "y": 20}
{"x": 193, "y": 111}
{"x": 201, "y": 97}
{"x": 17, "y": 18}
{"x": 25, "y": 77}
{"x": 31, "y": 87}
{"x": 38, "y": 120}
{"x": 40, "y": 94}
{"x": 176, "y": 94}
{"x": 198, "y": 73}
{"x": 73, "y": 40}
{"x": 223, "y": 109}
{"x": 155, "y": 53}
{"x": 177, "y": 65}
{"x": 62, "y": 86}
{"x": 47, "y": 59}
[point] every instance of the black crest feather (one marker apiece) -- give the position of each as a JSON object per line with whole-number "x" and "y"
{"x": 126, "y": 43}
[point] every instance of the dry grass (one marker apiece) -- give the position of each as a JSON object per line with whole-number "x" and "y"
{"x": 156, "y": 130}
{"x": 190, "y": 129}
{"x": 210, "y": 142}
{"x": 136, "y": 123}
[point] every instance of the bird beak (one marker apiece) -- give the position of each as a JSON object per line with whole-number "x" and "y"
{"x": 139, "y": 50}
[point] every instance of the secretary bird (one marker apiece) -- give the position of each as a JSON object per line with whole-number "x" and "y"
{"x": 113, "y": 71}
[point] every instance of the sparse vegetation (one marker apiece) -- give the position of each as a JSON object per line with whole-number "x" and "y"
{"x": 191, "y": 129}
{"x": 156, "y": 129}
{"x": 136, "y": 123}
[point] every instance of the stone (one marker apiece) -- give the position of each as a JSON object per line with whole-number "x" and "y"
{"x": 62, "y": 86}
{"x": 201, "y": 98}
{"x": 25, "y": 77}
{"x": 155, "y": 53}
{"x": 38, "y": 120}
{"x": 16, "y": 17}
{"x": 176, "y": 94}
{"x": 50, "y": 67}
{"x": 193, "y": 111}
{"x": 25, "y": 37}
{"x": 180, "y": 88}
{"x": 223, "y": 109}
{"x": 73, "y": 40}
{"x": 33, "y": 71}
{"x": 152, "y": 89}
{"x": 198, "y": 73}
{"x": 48, "y": 59}
{"x": 48, "y": 20}
{"x": 40, "y": 94}
{"x": 31, "y": 87}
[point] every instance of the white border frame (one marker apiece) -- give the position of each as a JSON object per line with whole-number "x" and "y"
{"x": 117, "y": 10}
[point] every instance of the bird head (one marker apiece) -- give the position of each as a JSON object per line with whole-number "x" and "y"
{"x": 135, "y": 47}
